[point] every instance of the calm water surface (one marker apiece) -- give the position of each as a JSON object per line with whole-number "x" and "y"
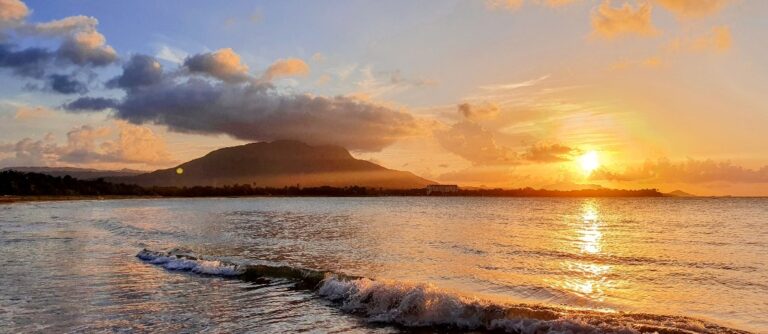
{"x": 436, "y": 264}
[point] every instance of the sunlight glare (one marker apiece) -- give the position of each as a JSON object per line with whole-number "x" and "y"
{"x": 589, "y": 161}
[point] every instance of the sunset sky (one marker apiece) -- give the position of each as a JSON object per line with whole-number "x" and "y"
{"x": 667, "y": 94}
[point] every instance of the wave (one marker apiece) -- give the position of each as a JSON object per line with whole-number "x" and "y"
{"x": 424, "y": 305}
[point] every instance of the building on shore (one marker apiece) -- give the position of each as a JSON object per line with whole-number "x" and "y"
{"x": 442, "y": 189}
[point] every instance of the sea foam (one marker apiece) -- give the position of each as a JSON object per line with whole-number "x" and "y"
{"x": 425, "y": 305}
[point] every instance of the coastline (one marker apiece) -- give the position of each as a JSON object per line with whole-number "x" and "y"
{"x": 11, "y": 199}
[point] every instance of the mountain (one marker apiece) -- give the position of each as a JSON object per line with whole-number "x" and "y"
{"x": 278, "y": 164}
{"x": 78, "y": 173}
{"x": 679, "y": 193}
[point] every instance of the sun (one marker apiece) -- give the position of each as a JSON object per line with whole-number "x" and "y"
{"x": 589, "y": 161}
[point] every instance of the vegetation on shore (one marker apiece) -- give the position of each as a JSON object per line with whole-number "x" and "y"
{"x": 13, "y": 183}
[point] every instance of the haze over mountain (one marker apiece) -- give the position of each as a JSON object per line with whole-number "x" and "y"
{"x": 78, "y": 173}
{"x": 278, "y": 164}
{"x": 680, "y": 193}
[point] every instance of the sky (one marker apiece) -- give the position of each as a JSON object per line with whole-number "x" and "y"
{"x": 559, "y": 94}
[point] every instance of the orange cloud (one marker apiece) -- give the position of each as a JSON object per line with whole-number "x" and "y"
{"x": 24, "y": 113}
{"x": 693, "y": 8}
{"x": 137, "y": 144}
{"x": 286, "y": 68}
{"x": 504, "y": 4}
{"x": 689, "y": 171}
{"x": 611, "y": 22}
{"x": 474, "y": 143}
{"x": 479, "y": 111}
{"x": 547, "y": 153}
{"x": 557, "y": 3}
{"x": 12, "y": 12}
{"x": 718, "y": 39}
{"x": 87, "y": 146}
{"x": 223, "y": 64}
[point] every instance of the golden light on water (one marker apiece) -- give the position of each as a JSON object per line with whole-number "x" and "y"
{"x": 586, "y": 277}
{"x": 589, "y": 234}
{"x": 589, "y": 161}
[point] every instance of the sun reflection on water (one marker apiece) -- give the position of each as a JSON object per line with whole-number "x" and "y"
{"x": 583, "y": 275}
{"x": 589, "y": 232}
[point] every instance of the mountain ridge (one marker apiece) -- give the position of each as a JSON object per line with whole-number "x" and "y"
{"x": 278, "y": 164}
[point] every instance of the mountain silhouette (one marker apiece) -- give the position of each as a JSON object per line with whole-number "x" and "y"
{"x": 278, "y": 164}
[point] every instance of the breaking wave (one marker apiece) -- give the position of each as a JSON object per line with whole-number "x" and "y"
{"x": 424, "y": 305}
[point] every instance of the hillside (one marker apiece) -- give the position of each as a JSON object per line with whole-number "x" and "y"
{"x": 279, "y": 164}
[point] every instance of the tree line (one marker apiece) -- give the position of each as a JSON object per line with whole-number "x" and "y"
{"x": 35, "y": 184}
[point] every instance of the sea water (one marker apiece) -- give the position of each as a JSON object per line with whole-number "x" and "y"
{"x": 386, "y": 265}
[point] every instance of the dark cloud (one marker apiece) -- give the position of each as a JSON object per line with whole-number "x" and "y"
{"x": 550, "y": 153}
{"x": 81, "y": 49}
{"x": 78, "y": 52}
{"x": 29, "y": 62}
{"x": 257, "y": 113}
{"x": 689, "y": 171}
{"x": 66, "y": 84}
{"x": 86, "y": 104}
{"x": 249, "y": 111}
{"x": 81, "y": 43}
{"x": 140, "y": 70}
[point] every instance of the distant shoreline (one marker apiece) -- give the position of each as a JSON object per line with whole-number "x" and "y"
{"x": 4, "y": 199}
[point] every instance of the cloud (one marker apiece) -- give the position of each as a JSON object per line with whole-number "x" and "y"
{"x": 470, "y": 141}
{"x": 693, "y": 8}
{"x": 516, "y": 4}
{"x": 611, "y": 22}
{"x": 557, "y": 3}
{"x": 650, "y": 62}
{"x": 504, "y": 4}
{"x": 82, "y": 44}
{"x": 12, "y": 12}
{"x": 170, "y": 54}
{"x": 134, "y": 144}
{"x": 87, "y": 48}
{"x": 286, "y": 68}
{"x": 516, "y": 85}
{"x": 140, "y": 70}
{"x": 318, "y": 57}
{"x": 120, "y": 143}
{"x": 250, "y": 111}
{"x": 25, "y": 112}
{"x": 29, "y": 152}
{"x": 378, "y": 83}
{"x": 66, "y": 84}
{"x": 30, "y": 62}
{"x": 547, "y": 153}
{"x": 323, "y": 79}
{"x": 718, "y": 39}
{"x": 223, "y": 64}
{"x": 689, "y": 171}
{"x": 90, "y": 104}
{"x": 479, "y": 111}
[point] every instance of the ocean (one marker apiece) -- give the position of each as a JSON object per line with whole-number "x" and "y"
{"x": 385, "y": 265}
